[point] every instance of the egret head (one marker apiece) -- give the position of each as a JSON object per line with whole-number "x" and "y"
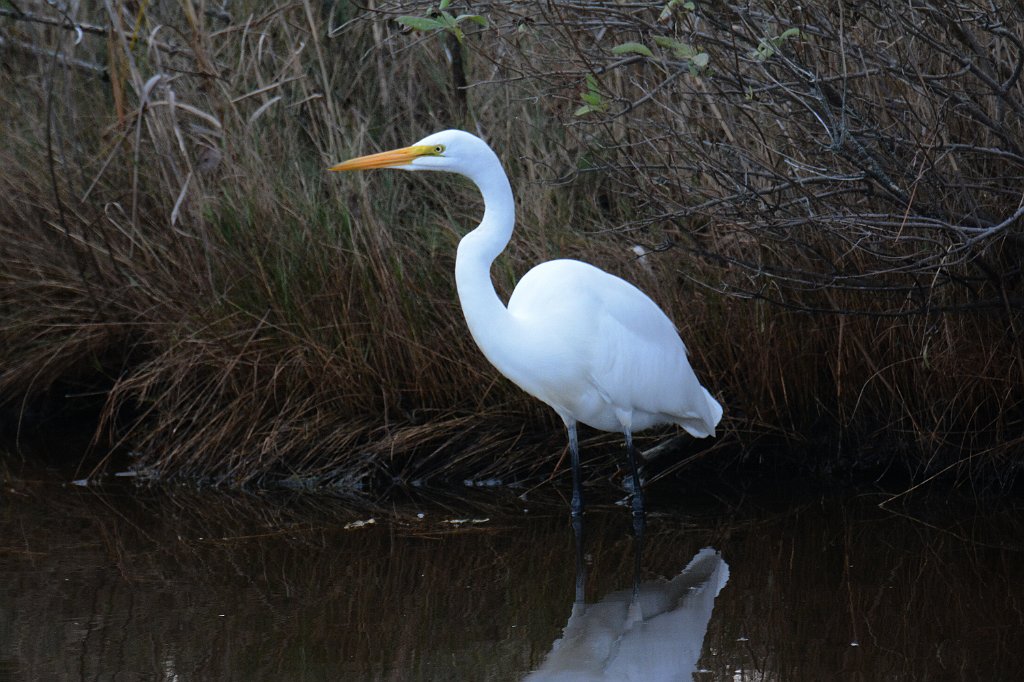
{"x": 454, "y": 151}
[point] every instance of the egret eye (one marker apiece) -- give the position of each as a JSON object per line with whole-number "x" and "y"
{"x": 439, "y": 149}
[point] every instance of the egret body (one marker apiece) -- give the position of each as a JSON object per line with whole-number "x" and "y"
{"x": 589, "y": 344}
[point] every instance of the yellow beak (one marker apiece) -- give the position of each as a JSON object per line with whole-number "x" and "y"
{"x": 391, "y": 159}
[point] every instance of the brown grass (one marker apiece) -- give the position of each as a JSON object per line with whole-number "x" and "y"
{"x": 170, "y": 239}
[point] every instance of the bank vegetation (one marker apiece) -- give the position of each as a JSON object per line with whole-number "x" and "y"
{"x": 828, "y": 201}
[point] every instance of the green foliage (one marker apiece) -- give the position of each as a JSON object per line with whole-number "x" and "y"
{"x": 593, "y": 100}
{"x": 697, "y": 60}
{"x": 767, "y": 48}
{"x": 681, "y": 50}
{"x": 442, "y": 21}
{"x": 632, "y": 48}
{"x": 670, "y": 8}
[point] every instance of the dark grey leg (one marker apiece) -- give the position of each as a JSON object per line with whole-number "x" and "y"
{"x": 639, "y": 513}
{"x": 576, "y": 508}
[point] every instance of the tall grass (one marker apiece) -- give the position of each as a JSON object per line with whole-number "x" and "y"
{"x": 170, "y": 239}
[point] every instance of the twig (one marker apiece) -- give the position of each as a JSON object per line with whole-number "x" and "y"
{"x": 49, "y": 21}
{"x": 81, "y": 64}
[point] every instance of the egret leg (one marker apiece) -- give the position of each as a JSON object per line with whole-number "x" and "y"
{"x": 576, "y": 508}
{"x": 639, "y": 513}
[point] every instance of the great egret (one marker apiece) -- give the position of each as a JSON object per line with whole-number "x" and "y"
{"x": 589, "y": 344}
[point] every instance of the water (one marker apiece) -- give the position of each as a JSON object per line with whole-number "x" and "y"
{"x": 121, "y": 584}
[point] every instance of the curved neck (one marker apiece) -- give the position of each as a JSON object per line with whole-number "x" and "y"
{"x": 486, "y": 314}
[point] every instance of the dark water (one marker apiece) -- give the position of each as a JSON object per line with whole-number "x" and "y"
{"x": 119, "y": 583}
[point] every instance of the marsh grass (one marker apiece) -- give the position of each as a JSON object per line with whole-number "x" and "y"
{"x": 170, "y": 240}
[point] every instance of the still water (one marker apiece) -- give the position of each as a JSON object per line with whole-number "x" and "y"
{"x": 122, "y": 583}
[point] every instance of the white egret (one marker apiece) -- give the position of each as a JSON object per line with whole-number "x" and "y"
{"x": 589, "y": 344}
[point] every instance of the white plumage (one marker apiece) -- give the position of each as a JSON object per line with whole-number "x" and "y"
{"x": 589, "y": 344}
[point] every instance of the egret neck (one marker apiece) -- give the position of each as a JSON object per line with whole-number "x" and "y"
{"x": 489, "y": 321}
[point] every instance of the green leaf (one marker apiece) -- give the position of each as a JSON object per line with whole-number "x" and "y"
{"x": 632, "y": 48}
{"x": 444, "y": 4}
{"x": 420, "y": 23}
{"x": 700, "y": 60}
{"x": 763, "y": 53}
{"x": 476, "y": 18}
{"x": 592, "y": 98}
{"x": 769, "y": 46}
{"x": 679, "y": 50}
{"x": 448, "y": 21}
{"x": 671, "y": 6}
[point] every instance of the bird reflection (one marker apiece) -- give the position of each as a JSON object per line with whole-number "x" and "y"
{"x": 653, "y": 632}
